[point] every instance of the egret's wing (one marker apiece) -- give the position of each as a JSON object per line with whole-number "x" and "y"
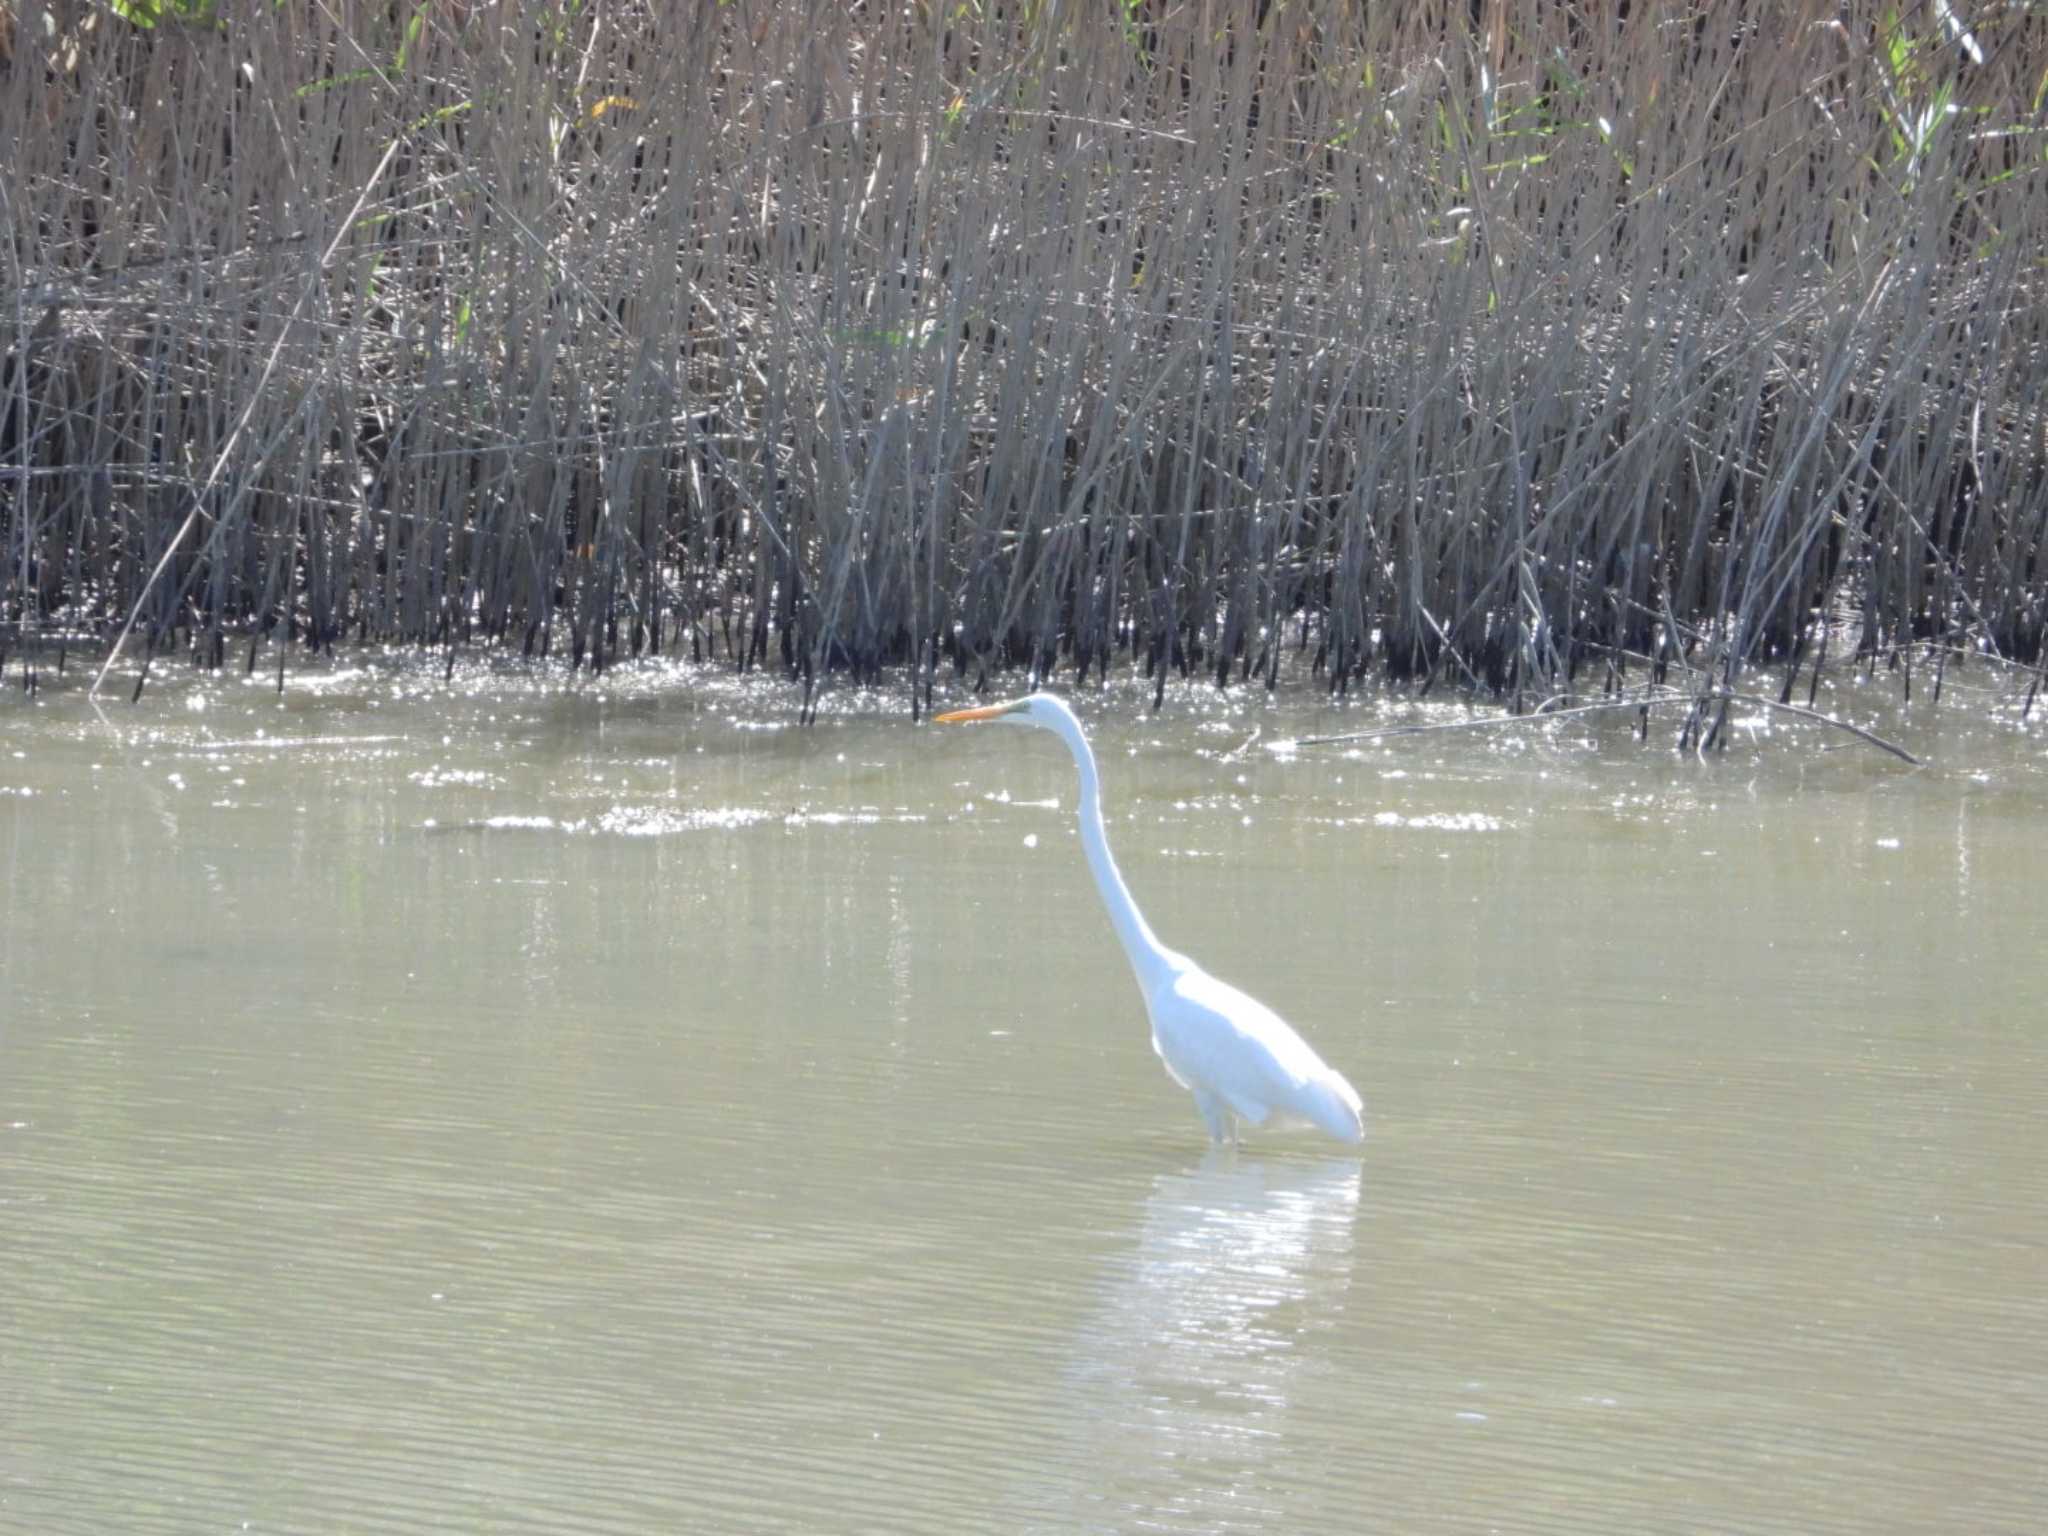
{"x": 1214, "y": 1037}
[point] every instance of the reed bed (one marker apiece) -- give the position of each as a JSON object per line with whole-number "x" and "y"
{"x": 1508, "y": 345}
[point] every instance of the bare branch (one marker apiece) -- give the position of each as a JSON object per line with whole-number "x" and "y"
{"x": 1647, "y": 702}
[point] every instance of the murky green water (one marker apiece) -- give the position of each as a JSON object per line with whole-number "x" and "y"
{"x": 546, "y": 1105}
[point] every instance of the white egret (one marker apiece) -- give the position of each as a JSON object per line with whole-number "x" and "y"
{"x": 1239, "y": 1059}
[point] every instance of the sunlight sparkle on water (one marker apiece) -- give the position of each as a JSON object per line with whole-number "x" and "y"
{"x": 1441, "y": 821}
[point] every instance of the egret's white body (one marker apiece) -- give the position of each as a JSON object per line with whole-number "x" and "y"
{"x": 1240, "y": 1060}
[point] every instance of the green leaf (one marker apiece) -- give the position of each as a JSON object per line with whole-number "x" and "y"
{"x": 147, "y": 13}
{"x": 315, "y": 87}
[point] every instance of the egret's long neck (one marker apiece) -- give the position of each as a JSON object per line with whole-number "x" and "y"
{"x": 1149, "y": 958}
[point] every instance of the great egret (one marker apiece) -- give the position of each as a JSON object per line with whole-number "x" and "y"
{"x": 1240, "y": 1060}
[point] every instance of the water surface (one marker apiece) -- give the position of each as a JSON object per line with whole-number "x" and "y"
{"x": 522, "y": 1103}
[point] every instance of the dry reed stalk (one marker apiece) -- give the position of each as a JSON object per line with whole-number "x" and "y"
{"x": 842, "y": 340}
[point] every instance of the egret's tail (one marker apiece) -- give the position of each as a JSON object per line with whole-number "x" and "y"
{"x": 1334, "y": 1104}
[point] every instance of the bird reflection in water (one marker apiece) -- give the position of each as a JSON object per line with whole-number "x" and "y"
{"x": 1190, "y": 1375}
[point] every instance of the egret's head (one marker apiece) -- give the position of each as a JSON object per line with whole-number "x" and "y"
{"x": 1039, "y": 709}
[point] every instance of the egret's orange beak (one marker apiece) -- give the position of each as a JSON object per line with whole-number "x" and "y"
{"x": 964, "y": 716}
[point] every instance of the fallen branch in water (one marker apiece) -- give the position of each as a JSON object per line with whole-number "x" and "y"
{"x": 1648, "y": 701}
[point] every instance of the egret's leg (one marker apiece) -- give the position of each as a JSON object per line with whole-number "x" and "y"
{"x": 1217, "y": 1114}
